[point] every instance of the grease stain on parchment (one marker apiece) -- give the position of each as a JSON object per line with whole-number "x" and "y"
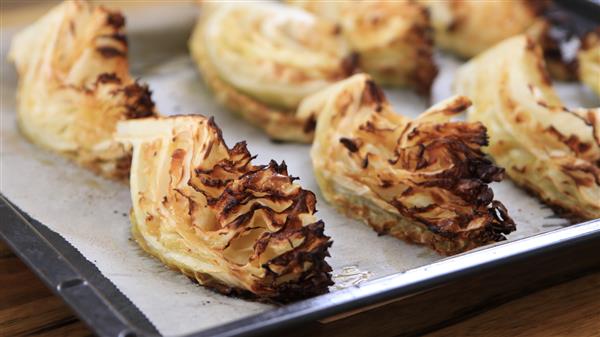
{"x": 350, "y": 276}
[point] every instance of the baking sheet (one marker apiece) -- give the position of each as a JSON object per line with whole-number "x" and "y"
{"x": 91, "y": 212}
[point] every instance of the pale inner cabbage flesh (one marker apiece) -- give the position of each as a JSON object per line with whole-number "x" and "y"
{"x": 272, "y": 52}
{"x": 549, "y": 149}
{"x": 74, "y": 85}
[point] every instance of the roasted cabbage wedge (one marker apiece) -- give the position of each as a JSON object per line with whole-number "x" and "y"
{"x": 423, "y": 181}
{"x": 74, "y": 85}
{"x": 467, "y": 27}
{"x": 547, "y": 148}
{"x": 261, "y": 58}
{"x": 206, "y": 210}
{"x": 393, "y": 40}
{"x": 552, "y": 37}
{"x": 588, "y": 59}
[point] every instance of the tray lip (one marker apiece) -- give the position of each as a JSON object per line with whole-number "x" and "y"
{"x": 63, "y": 270}
{"x": 375, "y": 291}
{"x": 393, "y": 286}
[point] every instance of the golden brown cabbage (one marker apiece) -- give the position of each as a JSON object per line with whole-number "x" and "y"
{"x": 467, "y": 27}
{"x": 74, "y": 85}
{"x": 589, "y": 60}
{"x": 261, "y": 59}
{"x": 206, "y": 210}
{"x": 559, "y": 67}
{"x": 547, "y": 148}
{"x": 423, "y": 181}
{"x": 392, "y": 39}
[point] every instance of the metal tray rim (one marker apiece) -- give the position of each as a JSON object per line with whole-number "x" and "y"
{"x": 89, "y": 304}
{"x": 405, "y": 283}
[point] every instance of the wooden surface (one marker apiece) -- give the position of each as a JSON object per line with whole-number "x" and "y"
{"x": 28, "y": 308}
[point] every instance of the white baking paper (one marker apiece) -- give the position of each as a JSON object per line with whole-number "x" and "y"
{"x": 91, "y": 212}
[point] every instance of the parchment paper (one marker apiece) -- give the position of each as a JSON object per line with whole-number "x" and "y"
{"x": 91, "y": 212}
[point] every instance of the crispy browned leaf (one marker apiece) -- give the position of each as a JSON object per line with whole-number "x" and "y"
{"x": 589, "y": 60}
{"x": 208, "y": 211}
{"x": 468, "y": 27}
{"x": 423, "y": 180}
{"x": 547, "y": 148}
{"x": 74, "y": 85}
{"x": 393, "y": 40}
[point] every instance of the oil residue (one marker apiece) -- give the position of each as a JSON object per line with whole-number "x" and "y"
{"x": 350, "y": 276}
{"x": 427, "y": 254}
{"x": 92, "y": 183}
{"x": 46, "y": 162}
